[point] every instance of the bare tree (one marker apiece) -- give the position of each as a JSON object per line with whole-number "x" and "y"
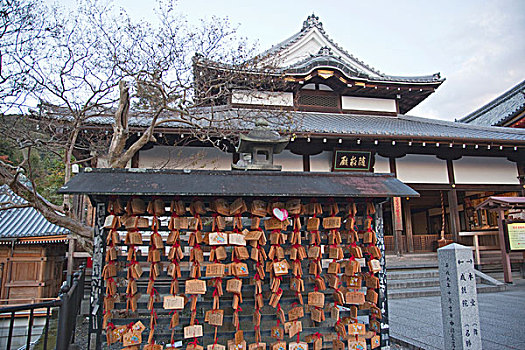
{"x": 95, "y": 61}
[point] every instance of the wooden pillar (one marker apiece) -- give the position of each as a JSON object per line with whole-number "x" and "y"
{"x": 453, "y": 203}
{"x": 44, "y": 260}
{"x": 453, "y": 214}
{"x": 70, "y": 253}
{"x": 135, "y": 160}
{"x": 408, "y": 226}
{"x": 521, "y": 177}
{"x": 505, "y": 258}
{"x": 397, "y": 224}
{"x": 306, "y": 162}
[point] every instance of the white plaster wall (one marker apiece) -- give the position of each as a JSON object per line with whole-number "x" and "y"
{"x": 169, "y": 157}
{"x": 321, "y": 162}
{"x": 308, "y": 46}
{"x": 421, "y": 168}
{"x": 289, "y": 161}
{"x": 265, "y": 98}
{"x": 382, "y": 165}
{"x": 368, "y": 104}
{"x": 485, "y": 170}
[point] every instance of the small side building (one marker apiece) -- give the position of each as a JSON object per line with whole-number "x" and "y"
{"x": 32, "y": 253}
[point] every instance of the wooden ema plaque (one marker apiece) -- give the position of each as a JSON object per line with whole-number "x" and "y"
{"x": 356, "y": 329}
{"x": 218, "y": 238}
{"x": 173, "y": 302}
{"x": 295, "y": 245}
{"x": 332, "y": 222}
{"x": 214, "y": 317}
{"x": 374, "y": 265}
{"x": 356, "y": 344}
{"x": 193, "y": 331}
{"x": 316, "y": 299}
{"x": 280, "y": 268}
{"x": 356, "y": 298}
{"x": 215, "y": 270}
{"x": 257, "y": 346}
{"x": 215, "y": 347}
{"x": 234, "y": 285}
{"x": 195, "y": 286}
{"x": 233, "y": 346}
{"x": 236, "y": 239}
{"x": 298, "y": 346}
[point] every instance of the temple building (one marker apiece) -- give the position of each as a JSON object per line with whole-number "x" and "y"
{"x": 350, "y": 117}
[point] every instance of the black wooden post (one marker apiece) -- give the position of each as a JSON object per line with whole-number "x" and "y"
{"x": 383, "y": 301}
{"x": 97, "y": 283}
{"x": 63, "y": 322}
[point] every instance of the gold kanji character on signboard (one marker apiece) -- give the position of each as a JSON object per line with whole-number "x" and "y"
{"x": 353, "y": 161}
{"x": 344, "y": 160}
{"x": 362, "y": 161}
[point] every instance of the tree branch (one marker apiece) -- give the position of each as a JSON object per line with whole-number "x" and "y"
{"x": 82, "y": 232}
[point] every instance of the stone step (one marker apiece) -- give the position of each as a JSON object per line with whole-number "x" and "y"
{"x": 412, "y": 283}
{"x": 412, "y": 266}
{"x": 435, "y": 291}
{"x": 496, "y": 267}
{"x": 394, "y": 275}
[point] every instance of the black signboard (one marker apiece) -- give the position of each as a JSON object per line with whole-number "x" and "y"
{"x": 351, "y": 160}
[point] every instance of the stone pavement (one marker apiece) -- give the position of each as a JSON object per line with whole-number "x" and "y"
{"x": 417, "y": 321}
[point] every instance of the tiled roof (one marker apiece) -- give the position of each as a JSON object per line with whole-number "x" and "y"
{"x": 499, "y": 110}
{"x": 404, "y": 126}
{"x": 360, "y": 67}
{"x": 356, "y": 124}
{"x": 24, "y": 222}
{"x": 155, "y": 182}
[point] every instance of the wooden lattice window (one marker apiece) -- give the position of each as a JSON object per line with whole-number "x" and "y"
{"x": 330, "y": 101}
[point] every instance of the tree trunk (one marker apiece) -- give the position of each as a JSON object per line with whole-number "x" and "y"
{"x": 120, "y": 128}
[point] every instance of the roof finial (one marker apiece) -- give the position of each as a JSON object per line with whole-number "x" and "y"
{"x": 312, "y": 21}
{"x": 325, "y": 51}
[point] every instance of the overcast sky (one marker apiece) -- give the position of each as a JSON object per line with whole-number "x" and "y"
{"x": 477, "y": 45}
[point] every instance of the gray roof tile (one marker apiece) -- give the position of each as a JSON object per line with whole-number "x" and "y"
{"x": 499, "y": 110}
{"x": 24, "y": 222}
{"x": 346, "y": 124}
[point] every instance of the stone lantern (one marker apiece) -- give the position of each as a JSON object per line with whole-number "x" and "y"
{"x": 258, "y": 147}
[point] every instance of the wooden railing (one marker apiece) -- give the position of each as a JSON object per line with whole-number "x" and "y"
{"x": 421, "y": 243}
{"x": 68, "y": 303}
{"x": 476, "y": 242}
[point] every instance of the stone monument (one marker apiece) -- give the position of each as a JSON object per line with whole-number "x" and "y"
{"x": 459, "y": 301}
